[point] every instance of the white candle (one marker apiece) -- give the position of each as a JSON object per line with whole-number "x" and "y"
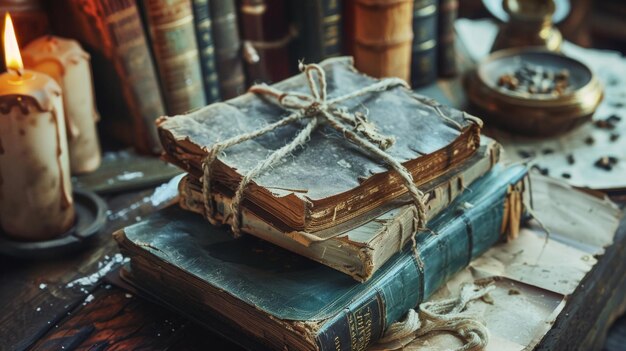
{"x": 35, "y": 188}
{"x": 66, "y": 62}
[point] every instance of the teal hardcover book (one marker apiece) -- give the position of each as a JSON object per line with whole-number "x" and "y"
{"x": 249, "y": 289}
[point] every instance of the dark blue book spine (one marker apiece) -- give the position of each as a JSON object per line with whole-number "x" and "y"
{"x": 202, "y": 22}
{"x": 424, "y": 53}
{"x": 464, "y": 234}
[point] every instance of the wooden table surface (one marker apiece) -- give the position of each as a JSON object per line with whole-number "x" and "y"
{"x": 41, "y": 312}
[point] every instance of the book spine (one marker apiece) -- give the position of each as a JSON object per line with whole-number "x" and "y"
{"x": 404, "y": 285}
{"x": 266, "y": 38}
{"x": 448, "y": 10}
{"x": 383, "y": 49}
{"x": 204, "y": 38}
{"x": 119, "y": 24}
{"x": 227, "y": 48}
{"x": 318, "y": 24}
{"x": 424, "y": 53}
{"x": 176, "y": 53}
{"x": 331, "y": 28}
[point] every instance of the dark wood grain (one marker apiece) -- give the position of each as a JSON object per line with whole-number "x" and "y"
{"x": 117, "y": 320}
{"x": 35, "y": 310}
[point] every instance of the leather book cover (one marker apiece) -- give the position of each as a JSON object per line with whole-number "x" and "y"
{"x": 227, "y": 48}
{"x": 383, "y": 37}
{"x": 424, "y": 53}
{"x": 266, "y": 39}
{"x": 113, "y": 33}
{"x": 429, "y": 139}
{"x": 318, "y": 24}
{"x": 204, "y": 37}
{"x": 175, "y": 50}
{"x": 286, "y": 301}
{"x": 446, "y": 52}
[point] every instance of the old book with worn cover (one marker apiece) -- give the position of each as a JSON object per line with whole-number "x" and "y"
{"x": 284, "y": 301}
{"x": 114, "y": 28}
{"x": 329, "y": 181}
{"x": 361, "y": 246}
{"x": 176, "y": 53}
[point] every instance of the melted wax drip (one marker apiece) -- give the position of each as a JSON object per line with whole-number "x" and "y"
{"x": 66, "y": 199}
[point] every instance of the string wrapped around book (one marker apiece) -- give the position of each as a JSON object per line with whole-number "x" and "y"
{"x": 318, "y": 109}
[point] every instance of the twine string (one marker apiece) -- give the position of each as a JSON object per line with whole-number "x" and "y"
{"x": 320, "y": 110}
{"x": 447, "y": 315}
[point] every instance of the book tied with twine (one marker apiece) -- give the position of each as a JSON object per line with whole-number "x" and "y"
{"x": 321, "y": 152}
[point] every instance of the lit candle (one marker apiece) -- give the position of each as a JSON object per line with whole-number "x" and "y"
{"x": 35, "y": 188}
{"x": 66, "y": 62}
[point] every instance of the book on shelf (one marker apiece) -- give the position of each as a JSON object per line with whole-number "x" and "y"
{"x": 175, "y": 49}
{"x": 206, "y": 49}
{"x": 429, "y": 140}
{"x": 267, "y": 37}
{"x": 227, "y": 43}
{"x": 446, "y": 51}
{"x": 383, "y": 37}
{"x": 113, "y": 33}
{"x": 318, "y": 24}
{"x": 262, "y": 295}
{"x": 365, "y": 244}
{"x": 424, "y": 53}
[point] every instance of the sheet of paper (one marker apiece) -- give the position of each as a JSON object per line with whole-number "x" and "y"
{"x": 533, "y": 275}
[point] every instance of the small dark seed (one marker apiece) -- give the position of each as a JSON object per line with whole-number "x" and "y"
{"x": 541, "y": 170}
{"x": 612, "y": 160}
{"x": 547, "y": 151}
{"x": 604, "y": 124}
{"x": 614, "y": 119}
{"x": 570, "y": 159}
{"x": 589, "y": 140}
{"x": 604, "y": 163}
{"x": 525, "y": 154}
{"x": 566, "y": 175}
{"x": 614, "y": 136}
{"x": 618, "y": 105}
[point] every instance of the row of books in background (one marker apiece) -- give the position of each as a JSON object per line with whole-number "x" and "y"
{"x": 166, "y": 57}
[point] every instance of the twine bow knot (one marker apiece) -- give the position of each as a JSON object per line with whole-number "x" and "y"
{"x": 317, "y": 108}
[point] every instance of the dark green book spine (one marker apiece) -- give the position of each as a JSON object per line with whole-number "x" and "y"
{"x": 424, "y": 53}
{"x": 319, "y": 29}
{"x": 331, "y": 28}
{"x": 227, "y": 43}
{"x": 202, "y": 22}
{"x": 446, "y": 53}
{"x": 463, "y": 234}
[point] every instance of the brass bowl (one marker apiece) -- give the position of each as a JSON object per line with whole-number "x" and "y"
{"x": 532, "y": 114}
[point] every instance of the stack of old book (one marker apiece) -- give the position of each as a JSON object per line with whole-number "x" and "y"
{"x": 329, "y": 200}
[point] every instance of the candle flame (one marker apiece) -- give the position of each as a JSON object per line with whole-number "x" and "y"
{"x": 12, "y": 56}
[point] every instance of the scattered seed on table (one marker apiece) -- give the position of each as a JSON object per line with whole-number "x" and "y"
{"x": 614, "y": 118}
{"x": 589, "y": 140}
{"x": 614, "y": 136}
{"x": 541, "y": 170}
{"x": 525, "y": 154}
{"x": 606, "y": 162}
{"x": 566, "y": 175}
{"x": 547, "y": 151}
{"x": 570, "y": 159}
